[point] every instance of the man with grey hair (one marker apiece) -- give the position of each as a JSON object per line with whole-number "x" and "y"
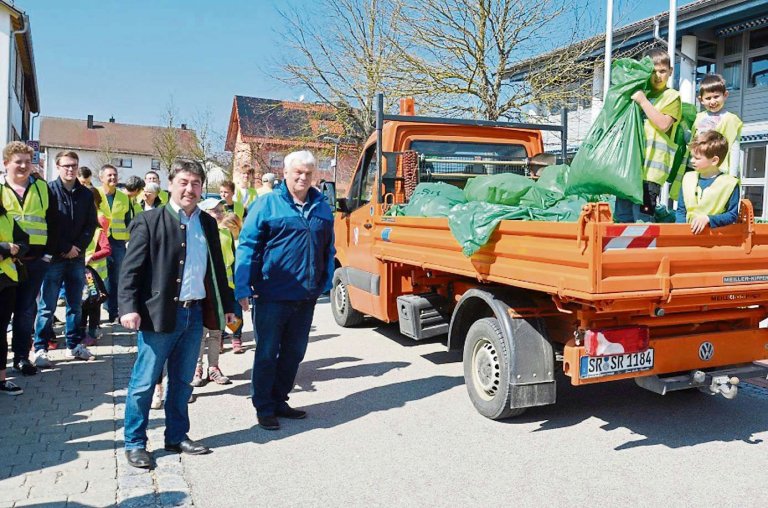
{"x": 267, "y": 184}
{"x": 284, "y": 261}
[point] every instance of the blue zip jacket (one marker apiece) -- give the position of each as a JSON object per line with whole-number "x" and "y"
{"x": 284, "y": 254}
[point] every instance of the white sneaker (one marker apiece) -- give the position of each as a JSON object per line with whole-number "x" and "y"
{"x": 41, "y": 360}
{"x": 79, "y": 352}
{"x": 9, "y": 388}
{"x": 157, "y": 399}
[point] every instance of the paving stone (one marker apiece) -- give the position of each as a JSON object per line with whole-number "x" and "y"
{"x": 43, "y": 502}
{"x": 135, "y": 481}
{"x": 176, "y": 498}
{"x": 137, "y": 498}
{"x": 14, "y": 493}
{"x": 88, "y": 498}
{"x": 12, "y": 482}
{"x": 64, "y": 488}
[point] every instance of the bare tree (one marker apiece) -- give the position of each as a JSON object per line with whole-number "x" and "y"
{"x": 166, "y": 138}
{"x": 345, "y": 57}
{"x": 107, "y": 149}
{"x": 459, "y": 53}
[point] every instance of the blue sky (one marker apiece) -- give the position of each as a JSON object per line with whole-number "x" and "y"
{"x": 130, "y": 58}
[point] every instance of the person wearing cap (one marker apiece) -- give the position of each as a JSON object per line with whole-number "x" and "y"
{"x": 212, "y": 337}
{"x": 173, "y": 282}
{"x": 267, "y": 184}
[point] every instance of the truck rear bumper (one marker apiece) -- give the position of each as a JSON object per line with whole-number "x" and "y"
{"x": 700, "y": 379}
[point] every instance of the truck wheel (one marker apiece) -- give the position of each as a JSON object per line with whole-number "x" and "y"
{"x": 486, "y": 370}
{"x": 342, "y": 309}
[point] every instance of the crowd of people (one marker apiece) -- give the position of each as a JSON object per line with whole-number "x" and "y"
{"x": 178, "y": 269}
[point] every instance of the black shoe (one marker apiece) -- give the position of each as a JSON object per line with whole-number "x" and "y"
{"x": 139, "y": 458}
{"x": 189, "y": 447}
{"x": 268, "y": 422}
{"x": 290, "y": 413}
{"x": 25, "y": 367}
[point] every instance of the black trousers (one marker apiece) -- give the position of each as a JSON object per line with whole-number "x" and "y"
{"x": 7, "y": 302}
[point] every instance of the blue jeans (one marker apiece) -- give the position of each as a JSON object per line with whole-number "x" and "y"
{"x": 282, "y": 332}
{"x": 180, "y": 348}
{"x": 25, "y": 308}
{"x": 70, "y": 272}
{"x": 114, "y": 262}
{"x": 628, "y": 212}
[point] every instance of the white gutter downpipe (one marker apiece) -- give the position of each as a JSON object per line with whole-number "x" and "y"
{"x": 671, "y": 49}
{"x": 11, "y": 59}
{"x": 608, "y": 47}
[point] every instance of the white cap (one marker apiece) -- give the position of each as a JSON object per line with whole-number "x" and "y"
{"x": 209, "y": 203}
{"x": 268, "y": 177}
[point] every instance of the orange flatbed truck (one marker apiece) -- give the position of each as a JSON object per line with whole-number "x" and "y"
{"x": 599, "y": 300}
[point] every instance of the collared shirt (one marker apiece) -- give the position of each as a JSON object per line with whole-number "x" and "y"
{"x": 303, "y": 208}
{"x": 196, "y": 264}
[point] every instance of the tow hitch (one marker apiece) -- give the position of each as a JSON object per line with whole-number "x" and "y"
{"x": 726, "y": 386}
{"x": 724, "y": 382}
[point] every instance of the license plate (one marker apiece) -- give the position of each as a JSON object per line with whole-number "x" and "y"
{"x": 598, "y": 366}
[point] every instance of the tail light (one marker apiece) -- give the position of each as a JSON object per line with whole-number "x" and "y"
{"x": 614, "y": 341}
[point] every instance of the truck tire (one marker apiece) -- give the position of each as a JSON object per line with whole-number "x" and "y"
{"x": 486, "y": 370}
{"x": 343, "y": 312}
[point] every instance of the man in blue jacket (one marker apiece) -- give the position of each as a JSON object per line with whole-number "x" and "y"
{"x": 75, "y": 224}
{"x": 284, "y": 261}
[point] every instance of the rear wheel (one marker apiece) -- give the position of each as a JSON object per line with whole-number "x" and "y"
{"x": 486, "y": 370}
{"x": 342, "y": 309}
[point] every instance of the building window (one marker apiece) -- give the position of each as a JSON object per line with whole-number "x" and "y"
{"x": 758, "y": 38}
{"x": 122, "y": 163}
{"x": 732, "y": 75}
{"x": 275, "y": 161}
{"x": 733, "y": 45}
{"x": 155, "y": 164}
{"x": 758, "y": 71}
{"x": 753, "y": 174}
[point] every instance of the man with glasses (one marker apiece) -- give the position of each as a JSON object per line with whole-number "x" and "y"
{"x": 30, "y": 203}
{"x": 76, "y": 223}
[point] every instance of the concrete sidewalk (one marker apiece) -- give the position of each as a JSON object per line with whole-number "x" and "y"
{"x": 61, "y": 441}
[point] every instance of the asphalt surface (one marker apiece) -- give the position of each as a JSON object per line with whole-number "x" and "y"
{"x": 390, "y": 424}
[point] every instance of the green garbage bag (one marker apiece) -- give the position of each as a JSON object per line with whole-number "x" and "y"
{"x": 433, "y": 200}
{"x": 501, "y": 189}
{"x": 682, "y": 140}
{"x": 548, "y": 189}
{"x": 610, "y": 159}
{"x": 664, "y": 215}
{"x": 473, "y": 223}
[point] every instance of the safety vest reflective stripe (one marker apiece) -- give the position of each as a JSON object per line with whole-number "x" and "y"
{"x": 659, "y": 146}
{"x": 711, "y": 200}
{"x": 7, "y": 266}
{"x": 121, "y": 207}
{"x": 30, "y": 217}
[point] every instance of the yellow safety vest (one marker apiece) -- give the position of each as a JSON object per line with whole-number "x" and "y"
{"x": 660, "y": 147}
{"x": 711, "y": 200}
{"x": 120, "y": 213}
{"x": 238, "y": 209}
{"x": 31, "y": 217}
{"x": 730, "y": 127}
{"x": 250, "y": 196}
{"x": 227, "y": 249}
{"x": 100, "y": 265}
{"x": 7, "y": 266}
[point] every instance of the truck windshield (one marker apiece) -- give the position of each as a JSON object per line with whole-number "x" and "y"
{"x": 446, "y": 160}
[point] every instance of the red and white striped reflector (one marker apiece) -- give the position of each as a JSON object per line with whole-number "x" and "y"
{"x": 638, "y": 236}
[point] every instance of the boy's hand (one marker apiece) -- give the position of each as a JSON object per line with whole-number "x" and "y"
{"x": 699, "y": 223}
{"x": 639, "y": 97}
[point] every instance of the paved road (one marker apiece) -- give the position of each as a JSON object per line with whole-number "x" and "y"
{"x": 390, "y": 424}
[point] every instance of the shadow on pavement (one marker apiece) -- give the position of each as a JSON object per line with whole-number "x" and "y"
{"x": 326, "y": 415}
{"x": 675, "y": 420}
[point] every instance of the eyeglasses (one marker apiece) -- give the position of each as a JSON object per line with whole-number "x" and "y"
{"x": 68, "y": 166}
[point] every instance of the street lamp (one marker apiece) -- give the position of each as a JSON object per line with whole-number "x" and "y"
{"x": 336, "y": 141}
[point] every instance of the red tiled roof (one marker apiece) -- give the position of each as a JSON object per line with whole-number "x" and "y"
{"x": 118, "y": 137}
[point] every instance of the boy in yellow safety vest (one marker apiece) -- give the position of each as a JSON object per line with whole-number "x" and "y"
{"x": 710, "y": 197}
{"x": 663, "y": 109}
{"x": 712, "y": 95}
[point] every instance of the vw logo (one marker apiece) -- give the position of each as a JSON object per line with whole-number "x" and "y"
{"x": 706, "y": 351}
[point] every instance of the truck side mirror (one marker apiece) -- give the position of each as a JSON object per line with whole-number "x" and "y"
{"x": 342, "y": 205}
{"x": 329, "y": 193}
